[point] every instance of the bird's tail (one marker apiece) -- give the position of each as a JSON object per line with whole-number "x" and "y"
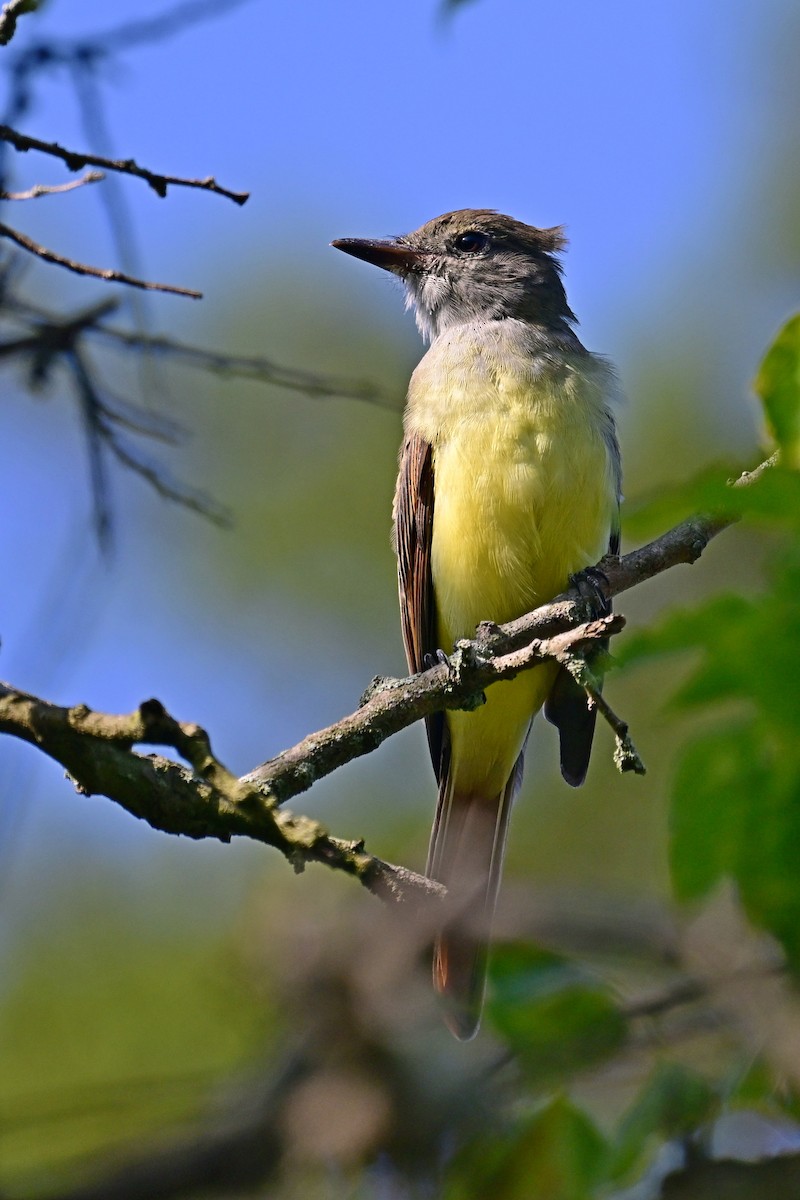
{"x": 466, "y": 855}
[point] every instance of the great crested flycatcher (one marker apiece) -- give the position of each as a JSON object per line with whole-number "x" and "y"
{"x": 509, "y": 483}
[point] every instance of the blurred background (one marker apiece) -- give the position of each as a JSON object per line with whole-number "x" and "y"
{"x": 145, "y": 981}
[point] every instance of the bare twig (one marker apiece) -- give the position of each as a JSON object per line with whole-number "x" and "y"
{"x": 76, "y": 161}
{"x": 20, "y": 239}
{"x": 9, "y": 15}
{"x": 44, "y": 189}
{"x": 626, "y": 756}
{"x": 55, "y": 341}
{"x": 167, "y": 488}
{"x": 90, "y": 411}
{"x": 166, "y": 24}
{"x": 683, "y": 544}
{"x": 261, "y": 369}
{"x": 99, "y": 421}
{"x": 241, "y": 366}
{"x": 53, "y": 335}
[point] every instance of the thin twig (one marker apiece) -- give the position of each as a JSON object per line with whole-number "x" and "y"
{"x": 76, "y": 161}
{"x": 9, "y": 15}
{"x": 60, "y": 341}
{"x": 263, "y": 370}
{"x": 101, "y": 434}
{"x": 154, "y": 474}
{"x": 626, "y": 756}
{"x": 253, "y": 367}
{"x": 90, "y": 411}
{"x": 20, "y": 239}
{"x": 164, "y": 25}
{"x": 45, "y": 189}
{"x": 52, "y": 335}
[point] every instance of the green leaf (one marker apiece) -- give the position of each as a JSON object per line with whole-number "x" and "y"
{"x": 751, "y": 648}
{"x": 773, "y": 498}
{"x": 767, "y": 863}
{"x": 736, "y": 812}
{"x": 778, "y": 385}
{"x": 673, "y": 1103}
{"x": 685, "y": 629}
{"x": 558, "y": 1154}
{"x": 708, "y": 491}
{"x": 718, "y": 776}
{"x": 554, "y": 1016}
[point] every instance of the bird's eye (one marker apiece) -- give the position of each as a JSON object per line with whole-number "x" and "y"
{"x": 471, "y": 242}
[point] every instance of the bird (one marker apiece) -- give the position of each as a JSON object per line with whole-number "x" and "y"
{"x": 509, "y": 484}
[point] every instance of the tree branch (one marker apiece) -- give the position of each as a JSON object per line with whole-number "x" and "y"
{"x": 390, "y": 705}
{"x": 20, "y": 239}
{"x": 97, "y": 749}
{"x": 9, "y": 15}
{"x": 256, "y": 367}
{"x": 55, "y": 189}
{"x": 206, "y": 801}
{"x": 77, "y": 160}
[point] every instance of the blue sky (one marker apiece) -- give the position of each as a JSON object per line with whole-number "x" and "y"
{"x": 640, "y": 126}
{"x": 634, "y": 124}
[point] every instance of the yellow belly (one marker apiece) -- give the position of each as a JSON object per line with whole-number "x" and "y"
{"x": 523, "y": 498}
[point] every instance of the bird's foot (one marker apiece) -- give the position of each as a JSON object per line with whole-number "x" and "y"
{"x": 435, "y": 660}
{"x": 591, "y": 585}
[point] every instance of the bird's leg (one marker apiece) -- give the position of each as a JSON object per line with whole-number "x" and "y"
{"x": 591, "y": 585}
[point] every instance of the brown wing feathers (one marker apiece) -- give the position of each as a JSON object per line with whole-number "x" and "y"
{"x": 413, "y": 515}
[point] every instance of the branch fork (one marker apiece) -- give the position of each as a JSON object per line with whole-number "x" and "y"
{"x": 97, "y": 749}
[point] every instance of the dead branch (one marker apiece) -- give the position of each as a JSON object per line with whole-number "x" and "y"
{"x": 9, "y": 15}
{"x": 55, "y": 189}
{"x": 54, "y": 341}
{"x": 20, "y": 239}
{"x": 255, "y": 367}
{"x": 77, "y": 160}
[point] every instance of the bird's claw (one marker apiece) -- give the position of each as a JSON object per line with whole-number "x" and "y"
{"x": 591, "y": 584}
{"x": 435, "y": 660}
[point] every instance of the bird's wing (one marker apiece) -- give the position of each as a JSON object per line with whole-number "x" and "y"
{"x": 413, "y": 532}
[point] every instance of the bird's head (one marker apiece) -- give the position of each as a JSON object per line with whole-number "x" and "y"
{"x": 473, "y": 265}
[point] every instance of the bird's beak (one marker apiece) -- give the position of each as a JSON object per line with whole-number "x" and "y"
{"x": 391, "y": 255}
